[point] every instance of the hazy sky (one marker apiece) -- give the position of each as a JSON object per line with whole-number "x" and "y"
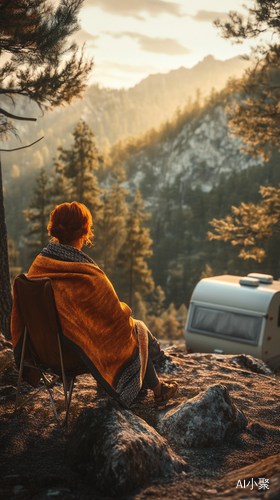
{"x": 131, "y": 39}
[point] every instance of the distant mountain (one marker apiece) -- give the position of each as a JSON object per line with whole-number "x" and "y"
{"x": 113, "y": 114}
{"x": 156, "y": 98}
{"x": 205, "y": 75}
{"x": 195, "y": 152}
{"x": 117, "y": 113}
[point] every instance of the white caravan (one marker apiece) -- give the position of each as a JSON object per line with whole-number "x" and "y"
{"x": 235, "y": 315}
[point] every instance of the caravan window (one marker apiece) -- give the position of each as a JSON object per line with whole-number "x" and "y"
{"x": 226, "y": 324}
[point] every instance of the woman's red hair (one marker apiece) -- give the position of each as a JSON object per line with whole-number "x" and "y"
{"x": 69, "y": 222}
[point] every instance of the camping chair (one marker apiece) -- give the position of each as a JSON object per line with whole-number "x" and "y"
{"x": 41, "y": 351}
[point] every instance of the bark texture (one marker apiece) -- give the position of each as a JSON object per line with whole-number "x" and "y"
{"x": 5, "y": 284}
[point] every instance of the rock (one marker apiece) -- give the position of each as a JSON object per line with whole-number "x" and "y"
{"x": 165, "y": 364}
{"x": 253, "y": 364}
{"x": 118, "y": 452}
{"x": 204, "y": 421}
{"x": 257, "y": 430}
{"x": 4, "y": 343}
{"x": 268, "y": 469}
{"x": 59, "y": 493}
{"x": 18, "y": 488}
{"x": 6, "y": 360}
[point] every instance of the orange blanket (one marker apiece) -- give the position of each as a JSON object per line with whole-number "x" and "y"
{"x": 93, "y": 318}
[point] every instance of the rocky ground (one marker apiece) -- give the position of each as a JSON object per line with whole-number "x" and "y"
{"x": 219, "y": 438}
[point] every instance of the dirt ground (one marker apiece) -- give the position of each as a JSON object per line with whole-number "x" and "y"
{"x": 33, "y": 448}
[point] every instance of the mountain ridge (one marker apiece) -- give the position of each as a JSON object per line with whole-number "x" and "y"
{"x": 230, "y": 68}
{"x": 113, "y": 114}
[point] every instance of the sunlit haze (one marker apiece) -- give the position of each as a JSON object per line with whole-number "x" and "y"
{"x": 130, "y": 39}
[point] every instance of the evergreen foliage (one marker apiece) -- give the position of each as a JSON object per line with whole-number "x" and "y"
{"x": 255, "y": 114}
{"x": 182, "y": 253}
{"x": 169, "y": 324}
{"x": 134, "y": 271}
{"x": 111, "y": 227}
{"x": 38, "y": 215}
{"x": 263, "y": 16}
{"x": 36, "y": 36}
{"x": 124, "y": 149}
{"x": 250, "y": 225}
{"x": 255, "y": 117}
{"x": 157, "y": 301}
{"x": 60, "y": 189}
{"x": 78, "y": 165}
{"x": 122, "y": 240}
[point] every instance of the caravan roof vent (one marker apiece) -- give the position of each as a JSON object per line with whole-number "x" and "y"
{"x": 263, "y": 278}
{"x": 249, "y": 281}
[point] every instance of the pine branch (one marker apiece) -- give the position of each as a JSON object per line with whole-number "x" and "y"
{"x": 23, "y": 147}
{"x": 15, "y": 117}
{"x": 11, "y": 91}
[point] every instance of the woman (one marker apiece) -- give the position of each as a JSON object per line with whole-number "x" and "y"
{"x": 94, "y": 322}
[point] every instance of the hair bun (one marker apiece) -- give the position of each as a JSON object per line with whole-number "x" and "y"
{"x": 58, "y": 230}
{"x": 69, "y": 222}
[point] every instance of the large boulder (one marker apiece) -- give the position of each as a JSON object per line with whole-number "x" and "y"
{"x": 204, "y": 421}
{"x": 118, "y": 452}
{"x": 253, "y": 364}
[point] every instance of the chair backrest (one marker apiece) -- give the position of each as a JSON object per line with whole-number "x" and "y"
{"x": 39, "y": 312}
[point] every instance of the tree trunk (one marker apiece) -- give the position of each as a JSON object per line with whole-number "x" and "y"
{"x": 130, "y": 280}
{"x": 5, "y": 284}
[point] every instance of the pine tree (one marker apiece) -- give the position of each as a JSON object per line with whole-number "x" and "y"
{"x": 34, "y": 35}
{"x": 60, "y": 188}
{"x": 111, "y": 228}
{"x": 255, "y": 114}
{"x": 251, "y": 225}
{"x": 135, "y": 250}
{"x": 207, "y": 273}
{"x": 80, "y": 162}
{"x": 171, "y": 327}
{"x": 263, "y": 16}
{"x": 157, "y": 301}
{"x": 38, "y": 215}
{"x": 255, "y": 117}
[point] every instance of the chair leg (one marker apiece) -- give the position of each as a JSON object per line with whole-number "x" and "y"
{"x": 21, "y": 367}
{"x": 32, "y": 396}
{"x": 46, "y": 382}
{"x": 72, "y": 382}
{"x": 71, "y": 390}
{"x": 62, "y": 371}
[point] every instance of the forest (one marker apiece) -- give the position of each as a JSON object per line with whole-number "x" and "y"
{"x": 180, "y": 186}
{"x": 153, "y": 252}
